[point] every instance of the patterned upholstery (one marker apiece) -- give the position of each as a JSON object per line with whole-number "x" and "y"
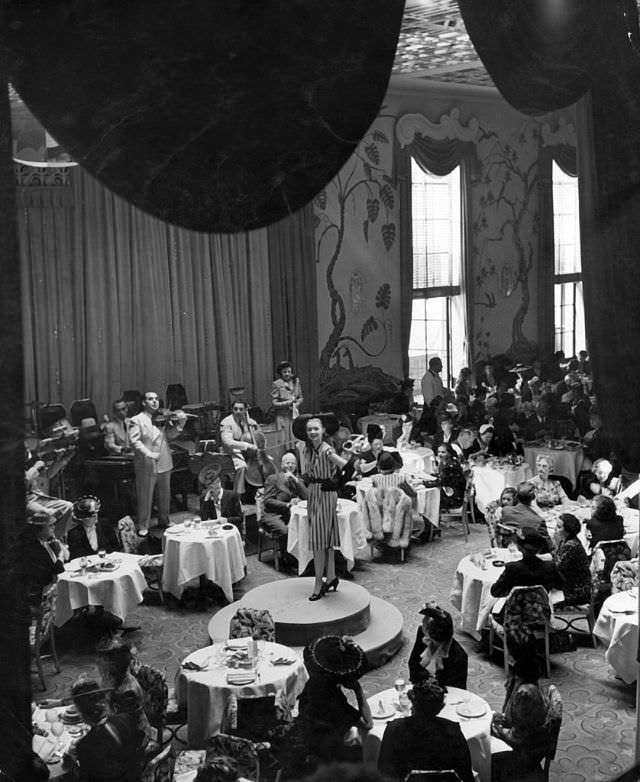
{"x": 42, "y": 630}
{"x": 252, "y": 623}
{"x": 128, "y": 536}
{"x": 492, "y": 515}
{"x": 552, "y": 725}
{"x": 151, "y": 567}
{"x": 605, "y": 555}
{"x": 160, "y": 767}
{"x": 243, "y": 751}
{"x": 624, "y": 576}
{"x": 156, "y": 696}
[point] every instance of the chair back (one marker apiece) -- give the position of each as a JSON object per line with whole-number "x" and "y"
{"x": 239, "y": 749}
{"x": 259, "y": 502}
{"x": 156, "y": 693}
{"x": 81, "y": 409}
{"x": 252, "y": 623}
{"x": 48, "y": 415}
{"x": 605, "y": 555}
{"x": 526, "y": 611}
{"x": 160, "y": 767}
{"x": 624, "y": 575}
{"x": 128, "y": 535}
{"x": 46, "y": 614}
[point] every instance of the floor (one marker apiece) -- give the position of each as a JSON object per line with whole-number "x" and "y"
{"x": 598, "y": 731}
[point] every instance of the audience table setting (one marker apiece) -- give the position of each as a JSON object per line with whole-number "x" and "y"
{"x": 211, "y": 549}
{"x": 490, "y": 478}
{"x": 630, "y": 517}
{"x": 56, "y": 729}
{"x": 567, "y": 457}
{"x": 353, "y": 537}
{"x": 617, "y": 629}
{"x": 470, "y": 710}
{"x": 417, "y": 459}
{"x": 209, "y": 676}
{"x": 472, "y": 582}
{"x": 114, "y": 582}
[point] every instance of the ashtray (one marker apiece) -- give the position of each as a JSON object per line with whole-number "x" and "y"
{"x": 227, "y": 526}
{"x": 498, "y": 562}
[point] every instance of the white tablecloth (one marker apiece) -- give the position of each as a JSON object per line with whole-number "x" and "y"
{"x": 205, "y": 693}
{"x": 477, "y": 731}
{"x": 353, "y": 536}
{"x": 43, "y": 746}
{"x": 417, "y": 460}
{"x": 190, "y": 554}
{"x": 386, "y": 420}
{"x": 566, "y": 462}
{"x": 426, "y": 503}
{"x": 490, "y": 480}
{"x": 630, "y": 517}
{"x": 617, "y": 629}
{"x": 118, "y": 591}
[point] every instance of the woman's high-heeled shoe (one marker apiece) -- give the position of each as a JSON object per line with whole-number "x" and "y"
{"x": 321, "y": 593}
{"x": 332, "y": 585}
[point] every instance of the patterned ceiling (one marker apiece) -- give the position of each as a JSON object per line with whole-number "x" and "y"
{"x": 434, "y": 45}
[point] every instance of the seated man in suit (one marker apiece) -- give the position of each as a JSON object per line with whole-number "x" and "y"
{"x": 90, "y": 534}
{"x": 42, "y": 555}
{"x": 281, "y": 491}
{"x": 216, "y": 502}
{"x": 116, "y": 434}
{"x": 530, "y": 570}
{"x": 522, "y": 514}
{"x": 424, "y": 740}
{"x": 241, "y": 438}
{"x": 436, "y": 653}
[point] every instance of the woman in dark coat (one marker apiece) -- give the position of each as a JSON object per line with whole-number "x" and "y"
{"x": 572, "y": 561}
{"x": 436, "y": 653}
{"x": 605, "y": 523}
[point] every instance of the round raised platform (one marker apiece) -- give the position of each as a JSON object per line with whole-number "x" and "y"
{"x": 375, "y": 624}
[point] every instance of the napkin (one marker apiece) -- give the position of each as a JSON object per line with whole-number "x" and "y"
{"x": 240, "y": 677}
{"x": 282, "y": 661}
{"x": 191, "y": 666}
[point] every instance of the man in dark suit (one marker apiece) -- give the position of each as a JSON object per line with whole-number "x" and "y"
{"x": 530, "y": 570}
{"x": 90, "y": 535}
{"x": 523, "y": 515}
{"x": 216, "y": 502}
{"x": 424, "y": 740}
{"x": 280, "y": 492}
{"x": 436, "y": 653}
{"x": 42, "y": 555}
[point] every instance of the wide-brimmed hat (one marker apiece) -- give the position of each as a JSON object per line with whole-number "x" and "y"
{"x": 386, "y": 462}
{"x": 337, "y": 656}
{"x": 529, "y": 539}
{"x": 329, "y": 421}
{"x": 218, "y": 461}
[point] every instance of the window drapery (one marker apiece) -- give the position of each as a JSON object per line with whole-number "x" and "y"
{"x": 115, "y": 299}
{"x": 439, "y": 157}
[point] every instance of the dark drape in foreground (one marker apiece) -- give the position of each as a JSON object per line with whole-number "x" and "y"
{"x": 543, "y": 56}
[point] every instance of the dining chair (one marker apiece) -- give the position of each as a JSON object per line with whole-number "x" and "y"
{"x": 242, "y": 751}
{"x": 82, "y": 409}
{"x": 41, "y": 631}
{"x": 526, "y": 616}
{"x": 252, "y": 623}
{"x": 268, "y": 540}
{"x": 156, "y": 696}
{"x": 624, "y": 576}
{"x": 160, "y": 767}
{"x": 461, "y": 514}
{"x": 553, "y": 722}
{"x": 128, "y": 535}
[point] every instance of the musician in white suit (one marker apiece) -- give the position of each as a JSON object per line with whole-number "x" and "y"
{"x": 238, "y": 435}
{"x": 152, "y": 459}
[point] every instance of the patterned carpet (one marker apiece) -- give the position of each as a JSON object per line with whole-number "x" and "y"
{"x": 598, "y": 731}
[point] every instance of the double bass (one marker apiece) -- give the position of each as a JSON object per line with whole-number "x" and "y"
{"x": 259, "y": 464}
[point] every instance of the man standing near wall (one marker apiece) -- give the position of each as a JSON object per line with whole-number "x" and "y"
{"x": 152, "y": 458}
{"x": 432, "y": 382}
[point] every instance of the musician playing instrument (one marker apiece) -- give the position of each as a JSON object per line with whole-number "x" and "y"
{"x": 242, "y": 439}
{"x": 37, "y": 476}
{"x": 286, "y": 398}
{"x": 149, "y": 436}
{"x": 116, "y": 434}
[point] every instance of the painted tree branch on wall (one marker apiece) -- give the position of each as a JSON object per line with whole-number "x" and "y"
{"x": 364, "y": 179}
{"x": 508, "y": 202}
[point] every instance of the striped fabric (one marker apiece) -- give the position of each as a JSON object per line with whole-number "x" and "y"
{"x": 389, "y": 480}
{"x": 321, "y": 505}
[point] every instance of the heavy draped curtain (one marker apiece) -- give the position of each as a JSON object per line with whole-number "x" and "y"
{"x": 115, "y": 299}
{"x": 546, "y": 55}
{"x": 565, "y": 156}
{"x": 439, "y": 157}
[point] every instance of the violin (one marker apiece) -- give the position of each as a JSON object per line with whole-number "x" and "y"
{"x": 162, "y": 417}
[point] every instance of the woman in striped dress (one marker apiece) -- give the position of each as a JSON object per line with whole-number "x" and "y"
{"x": 319, "y": 466}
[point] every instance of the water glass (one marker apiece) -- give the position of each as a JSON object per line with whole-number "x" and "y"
{"x": 102, "y": 554}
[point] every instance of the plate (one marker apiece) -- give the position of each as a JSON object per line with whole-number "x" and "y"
{"x": 472, "y": 709}
{"x": 238, "y": 682}
{"x": 498, "y": 562}
{"x": 227, "y": 526}
{"x": 387, "y": 711}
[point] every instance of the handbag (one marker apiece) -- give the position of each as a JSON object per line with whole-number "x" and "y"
{"x": 408, "y": 489}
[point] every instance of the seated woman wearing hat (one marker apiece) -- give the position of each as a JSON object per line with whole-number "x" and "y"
{"x": 436, "y": 653}
{"x": 530, "y": 570}
{"x": 323, "y": 730}
{"x": 90, "y": 534}
{"x": 424, "y": 740}
{"x": 387, "y": 507}
{"x": 216, "y": 502}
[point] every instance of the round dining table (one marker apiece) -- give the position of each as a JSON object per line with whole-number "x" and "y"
{"x": 476, "y": 730}
{"x": 213, "y": 550}
{"x": 471, "y": 591}
{"x": 51, "y": 748}
{"x": 495, "y": 475}
{"x": 567, "y": 458}
{"x": 617, "y": 629}
{"x": 351, "y": 529}
{"x": 279, "y": 670}
{"x": 118, "y": 589}
{"x": 417, "y": 459}
{"x": 630, "y": 518}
